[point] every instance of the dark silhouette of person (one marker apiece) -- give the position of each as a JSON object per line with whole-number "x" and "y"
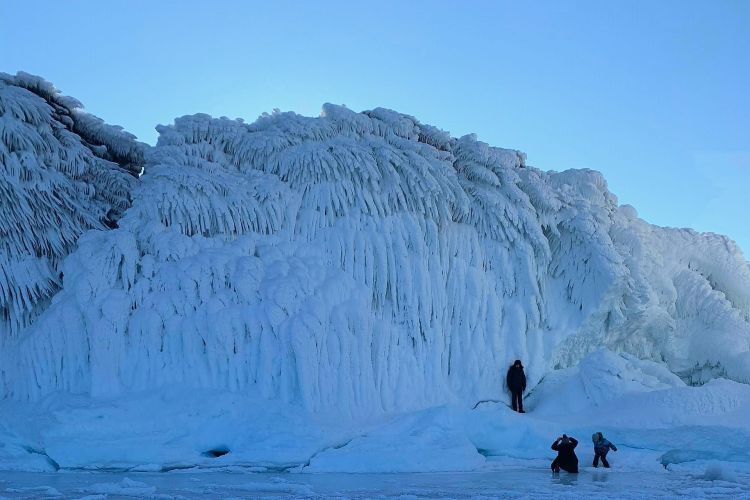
{"x": 516, "y": 380}
{"x": 566, "y": 457}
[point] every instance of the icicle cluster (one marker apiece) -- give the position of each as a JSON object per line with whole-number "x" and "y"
{"x": 361, "y": 262}
{"x": 55, "y": 183}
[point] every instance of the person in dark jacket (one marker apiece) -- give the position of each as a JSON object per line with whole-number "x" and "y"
{"x": 601, "y": 448}
{"x": 516, "y": 380}
{"x": 566, "y": 457}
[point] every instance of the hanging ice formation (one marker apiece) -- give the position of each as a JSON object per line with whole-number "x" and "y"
{"x": 63, "y": 172}
{"x": 353, "y": 262}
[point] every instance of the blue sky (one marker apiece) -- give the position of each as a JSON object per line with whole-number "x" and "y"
{"x": 654, "y": 94}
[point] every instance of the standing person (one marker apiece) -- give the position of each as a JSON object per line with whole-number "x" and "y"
{"x": 601, "y": 447}
{"x": 516, "y": 380}
{"x": 566, "y": 457}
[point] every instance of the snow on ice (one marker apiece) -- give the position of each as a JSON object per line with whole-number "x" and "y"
{"x": 338, "y": 294}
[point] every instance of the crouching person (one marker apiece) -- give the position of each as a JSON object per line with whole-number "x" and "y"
{"x": 601, "y": 448}
{"x": 566, "y": 457}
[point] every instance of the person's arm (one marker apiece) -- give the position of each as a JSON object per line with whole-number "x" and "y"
{"x": 523, "y": 381}
{"x": 555, "y": 445}
{"x": 614, "y": 448}
{"x": 507, "y": 379}
{"x": 573, "y": 442}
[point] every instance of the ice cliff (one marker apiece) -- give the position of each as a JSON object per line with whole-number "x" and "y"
{"x": 63, "y": 172}
{"x": 350, "y": 263}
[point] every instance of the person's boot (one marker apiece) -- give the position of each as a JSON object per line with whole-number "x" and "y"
{"x": 521, "y": 411}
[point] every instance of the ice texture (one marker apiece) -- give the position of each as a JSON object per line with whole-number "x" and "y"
{"x": 350, "y": 263}
{"x": 63, "y": 172}
{"x": 343, "y": 294}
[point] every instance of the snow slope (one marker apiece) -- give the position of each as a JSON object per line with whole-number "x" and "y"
{"x": 350, "y": 266}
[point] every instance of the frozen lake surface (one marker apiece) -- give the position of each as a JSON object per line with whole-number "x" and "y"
{"x": 512, "y": 483}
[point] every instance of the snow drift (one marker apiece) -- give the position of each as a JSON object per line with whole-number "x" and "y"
{"x": 351, "y": 263}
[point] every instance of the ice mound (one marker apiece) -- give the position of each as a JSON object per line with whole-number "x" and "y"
{"x": 429, "y": 441}
{"x": 638, "y": 393}
{"x": 601, "y": 377}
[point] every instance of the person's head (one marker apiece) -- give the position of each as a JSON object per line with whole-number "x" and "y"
{"x": 517, "y": 364}
{"x": 597, "y": 436}
{"x": 565, "y": 439}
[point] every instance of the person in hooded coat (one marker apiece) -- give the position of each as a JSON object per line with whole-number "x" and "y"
{"x": 566, "y": 456}
{"x": 516, "y": 380}
{"x": 601, "y": 448}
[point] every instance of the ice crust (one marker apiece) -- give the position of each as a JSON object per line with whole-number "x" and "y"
{"x": 349, "y": 266}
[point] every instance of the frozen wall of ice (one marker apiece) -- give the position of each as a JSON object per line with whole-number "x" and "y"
{"x": 361, "y": 262}
{"x": 62, "y": 172}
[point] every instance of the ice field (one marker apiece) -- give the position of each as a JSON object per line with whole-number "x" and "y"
{"x": 508, "y": 483}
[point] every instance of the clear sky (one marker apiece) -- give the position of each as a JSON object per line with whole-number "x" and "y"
{"x": 654, "y": 94}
